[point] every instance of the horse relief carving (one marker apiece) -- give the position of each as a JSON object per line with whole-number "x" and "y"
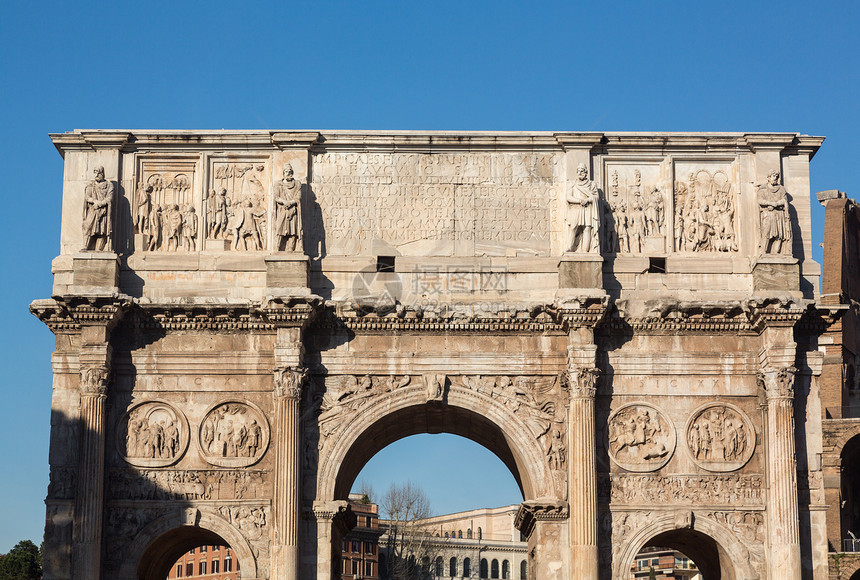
{"x": 640, "y": 438}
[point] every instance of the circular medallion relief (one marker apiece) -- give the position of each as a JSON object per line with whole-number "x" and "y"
{"x": 641, "y": 438}
{"x": 720, "y": 437}
{"x": 233, "y": 434}
{"x": 152, "y": 434}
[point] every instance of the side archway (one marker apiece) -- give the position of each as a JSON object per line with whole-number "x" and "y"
{"x": 719, "y": 554}
{"x": 162, "y": 542}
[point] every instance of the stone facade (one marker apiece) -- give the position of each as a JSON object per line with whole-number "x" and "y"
{"x": 628, "y": 321}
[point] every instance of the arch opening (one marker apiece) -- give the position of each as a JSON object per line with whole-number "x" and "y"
{"x": 683, "y": 550}
{"x": 850, "y": 483}
{"x": 433, "y": 419}
{"x": 173, "y": 548}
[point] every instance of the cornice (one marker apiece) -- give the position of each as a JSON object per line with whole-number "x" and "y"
{"x": 69, "y": 314}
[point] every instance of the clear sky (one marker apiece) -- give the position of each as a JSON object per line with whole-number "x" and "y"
{"x": 455, "y": 65}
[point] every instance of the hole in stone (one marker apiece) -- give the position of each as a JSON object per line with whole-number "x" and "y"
{"x": 385, "y": 263}
{"x": 657, "y": 265}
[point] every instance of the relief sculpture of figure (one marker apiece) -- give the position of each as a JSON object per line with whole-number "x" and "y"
{"x": 583, "y": 204}
{"x": 288, "y": 193}
{"x": 189, "y": 228}
{"x": 144, "y": 208}
{"x": 775, "y": 225}
{"x": 172, "y": 226}
{"x": 217, "y": 214}
{"x": 154, "y": 228}
{"x": 98, "y": 212}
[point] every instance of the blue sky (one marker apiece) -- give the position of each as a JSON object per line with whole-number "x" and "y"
{"x": 467, "y": 65}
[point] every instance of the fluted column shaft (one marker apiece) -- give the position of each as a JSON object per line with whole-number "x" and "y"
{"x": 782, "y": 510}
{"x": 582, "y": 475}
{"x": 287, "y": 481}
{"x": 89, "y": 497}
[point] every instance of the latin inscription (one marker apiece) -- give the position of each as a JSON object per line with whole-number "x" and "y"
{"x": 450, "y": 204}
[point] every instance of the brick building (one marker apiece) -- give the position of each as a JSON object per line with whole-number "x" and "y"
{"x": 840, "y": 388}
{"x": 206, "y": 563}
{"x": 360, "y": 551}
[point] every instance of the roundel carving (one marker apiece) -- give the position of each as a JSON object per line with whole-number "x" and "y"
{"x": 641, "y": 438}
{"x": 152, "y": 434}
{"x": 720, "y": 437}
{"x": 233, "y": 434}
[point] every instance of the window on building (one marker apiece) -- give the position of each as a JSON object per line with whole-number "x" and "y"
{"x": 203, "y": 549}
{"x": 524, "y": 570}
{"x": 480, "y": 534}
{"x": 202, "y": 568}
{"x": 189, "y": 569}
{"x": 368, "y": 568}
{"x": 345, "y": 566}
{"x": 216, "y": 564}
{"x": 459, "y": 533}
{"x": 446, "y": 534}
{"x": 494, "y": 569}
{"x": 467, "y": 567}
{"x": 228, "y": 563}
{"x": 356, "y": 547}
{"x": 485, "y": 569}
{"x": 179, "y": 570}
{"x": 191, "y": 551}
{"x": 345, "y": 546}
{"x": 506, "y": 570}
{"x": 368, "y": 521}
{"x": 355, "y": 567}
{"x": 452, "y": 567}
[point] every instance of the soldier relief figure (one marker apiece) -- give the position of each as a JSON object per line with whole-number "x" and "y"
{"x": 583, "y": 204}
{"x": 98, "y": 212}
{"x": 720, "y": 438}
{"x": 288, "y": 194}
{"x": 233, "y": 434}
{"x": 775, "y": 221}
{"x": 640, "y": 438}
{"x": 154, "y": 435}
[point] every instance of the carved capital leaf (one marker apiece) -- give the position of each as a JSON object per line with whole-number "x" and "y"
{"x": 94, "y": 380}
{"x": 289, "y": 381}
{"x": 777, "y": 383}
{"x": 582, "y": 381}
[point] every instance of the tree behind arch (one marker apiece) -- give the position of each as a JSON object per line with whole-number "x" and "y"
{"x": 407, "y": 539}
{"x": 23, "y": 562}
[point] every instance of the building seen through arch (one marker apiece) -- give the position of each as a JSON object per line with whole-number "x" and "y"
{"x": 630, "y": 322}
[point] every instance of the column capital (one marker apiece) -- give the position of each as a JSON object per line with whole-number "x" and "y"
{"x": 582, "y": 382}
{"x": 531, "y": 512}
{"x": 94, "y": 380}
{"x": 288, "y": 381}
{"x": 777, "y": 382}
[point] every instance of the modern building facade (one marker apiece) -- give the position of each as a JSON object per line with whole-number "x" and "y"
{"x": 629, "y": 321}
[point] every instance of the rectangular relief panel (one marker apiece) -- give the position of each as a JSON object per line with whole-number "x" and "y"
{"x": 237, "y": 203}
{"x": 706, "y": 206}
{"x": 442, "y": 204}
{"x": 165, "y": 211}
{"x": 636, "y": 206}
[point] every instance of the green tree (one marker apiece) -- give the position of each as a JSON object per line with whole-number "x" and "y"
{"x": 23, "y": 562}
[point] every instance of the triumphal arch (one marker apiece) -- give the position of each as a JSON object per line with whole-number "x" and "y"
{"x": 627, "y": 320}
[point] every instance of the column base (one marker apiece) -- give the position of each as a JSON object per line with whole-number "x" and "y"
{"x": 287, "y": 270}
{"x": 776, "y": 272}
{"x": 580, "y": 271}
{"x": 95, "y": 272}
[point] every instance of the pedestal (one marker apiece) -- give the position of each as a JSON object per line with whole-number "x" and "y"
{"x": 776, "y": 272}
{"x": 580, "y": 271}
{"x": 287, "y": 271}
{"x": 95, "y": 272}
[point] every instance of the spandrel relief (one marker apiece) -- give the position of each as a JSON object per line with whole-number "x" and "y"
{"x": 237, "y": 205}
{"x": 152, "y": 434}
{"x": 720, "y": 437}
{"x": 346, "y": 395}
{"x": 705, "y": 206}
{"x": 234, "y": 434}
{"x": 634, "y": 209}
{"x": 164, "y": 212}
{"x": 641, "y": 438}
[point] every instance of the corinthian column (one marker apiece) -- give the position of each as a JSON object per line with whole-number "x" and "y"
{"x": 782, "y": 512}
{"x": 582, "y": 473}
{"x": 288, "y": 391}
{"x": 89, "y": 496}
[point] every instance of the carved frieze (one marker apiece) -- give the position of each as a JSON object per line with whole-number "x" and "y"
{"x": 233, "y": 434}
{"x": 237, "y": 204}
{"x": 251, "y": 520}
{"x": 152, "y": 434}
{"x": 641, "y": 438}
{"x": 631, "y": 489}
{"x": 705, "y": 206}
{"x": 199, "y": 484}
{"x": 720, "y": 437}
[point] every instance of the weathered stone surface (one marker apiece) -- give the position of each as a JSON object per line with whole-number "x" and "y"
{"x": 607, "y": 313}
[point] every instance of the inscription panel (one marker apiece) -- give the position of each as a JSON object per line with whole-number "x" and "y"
{"x": 493, "y": 204}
